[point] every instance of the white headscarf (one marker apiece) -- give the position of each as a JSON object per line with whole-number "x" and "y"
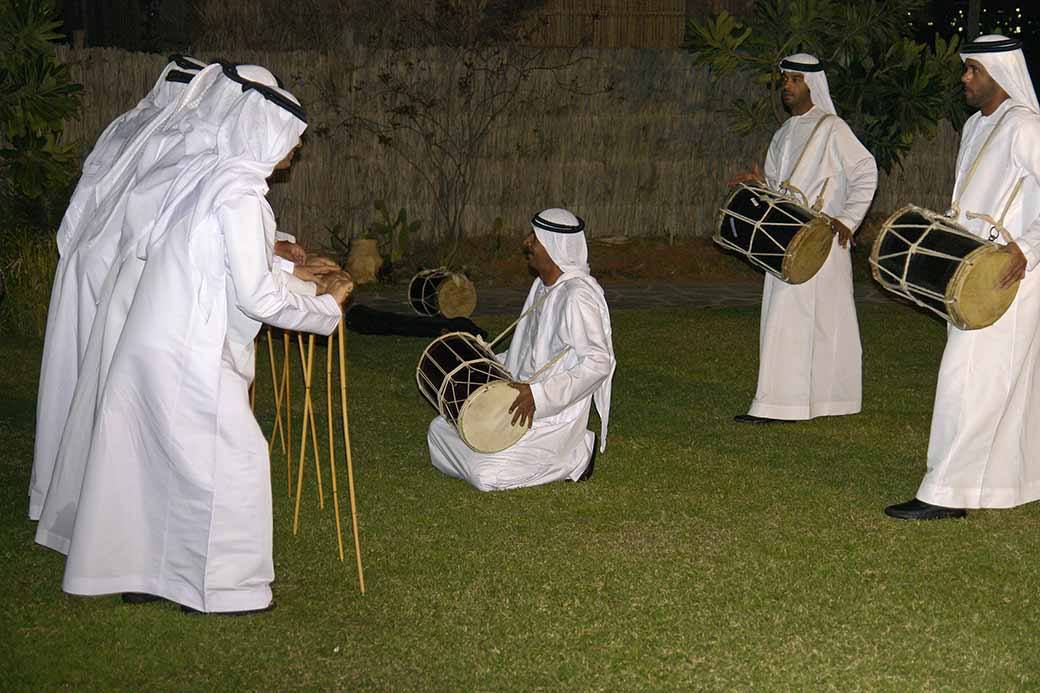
{"x": 562, "y": 234}
{"x": 255, "y": 134}
{"x": 1003, "y": 59}
{"x": 811, "y": 69}
{"x": 109, "y": 168}
{"x": 183, "y": 151}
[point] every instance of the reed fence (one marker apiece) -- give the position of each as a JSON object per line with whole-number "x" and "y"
{"x": 650, "y": 157}
{"x": 612, "y": 23}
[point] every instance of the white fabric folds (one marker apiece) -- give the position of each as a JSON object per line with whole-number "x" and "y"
{"x": 175, "y": 498}
{"x": 87, "y": 242}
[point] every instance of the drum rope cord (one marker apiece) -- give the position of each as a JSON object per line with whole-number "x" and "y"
{"x": 552, "y": 361}
{"x": 787, "y": 183}
{"x": 999, "y": 223}
{"x": 955, "y": 208}
{"x": 503, "y": 333}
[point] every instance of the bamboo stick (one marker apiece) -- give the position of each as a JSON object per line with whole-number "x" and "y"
{"x": 307, "y": 364}
{"x": 277, "y": 399}
{"x": 286, "y": 343}
{"x": 346, "y": 446}
{"x": 332, "y": 446}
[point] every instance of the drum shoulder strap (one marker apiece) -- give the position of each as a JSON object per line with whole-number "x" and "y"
{"x": 808, "y": 142}
{"x": 978, "y": 159}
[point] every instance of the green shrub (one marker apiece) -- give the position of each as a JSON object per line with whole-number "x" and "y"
{"x": 36, "y": 96}
{"x": 27, "y": 264}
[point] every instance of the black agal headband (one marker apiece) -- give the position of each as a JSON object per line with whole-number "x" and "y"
{"x": 186, "y": 63}
{"x": 272, "y": 95}
{"x": 540, "y": 222}
{"x": 1001, "y": 46}
{"x": 794, "y": 66}
{"x": 178, "y": 76}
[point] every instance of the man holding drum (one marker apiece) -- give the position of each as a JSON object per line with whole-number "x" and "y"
{"x": 563, "y": 357}
{"x": 984, "y": 446}
{"x": 809, "y": 348}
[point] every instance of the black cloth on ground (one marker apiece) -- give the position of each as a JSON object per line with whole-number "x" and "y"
{"x": 365, "y": 320}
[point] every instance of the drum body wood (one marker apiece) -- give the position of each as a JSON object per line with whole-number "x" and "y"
{"x": 459, "y": 376}
{"x": 440, "y": 292}
{"x": 774, "y": 232}
{"x": 939, "y": 265}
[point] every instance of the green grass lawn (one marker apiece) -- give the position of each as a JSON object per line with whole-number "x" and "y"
{"x": 702, "y": 554}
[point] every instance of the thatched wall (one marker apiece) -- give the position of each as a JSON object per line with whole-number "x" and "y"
{"x": 651, "y": 157}
{"x": 613, "y": 23}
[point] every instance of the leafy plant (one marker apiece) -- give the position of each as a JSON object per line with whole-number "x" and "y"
{"x": 36, "y": 96}
{"x": 392, "y": 233}
{"x": 27, "y": 264}
{"x": 887, "y": 86}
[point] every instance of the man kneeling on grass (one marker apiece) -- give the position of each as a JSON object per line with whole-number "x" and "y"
{"x": 566, "y": 313}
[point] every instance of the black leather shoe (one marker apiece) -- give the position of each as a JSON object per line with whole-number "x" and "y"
{"x": 749, "y": 419}
{"x": 248, "y": 612}
{"x": 915, "y": 509}
{"x": 139, "y": 598}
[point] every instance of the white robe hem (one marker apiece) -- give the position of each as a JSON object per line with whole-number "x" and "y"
{"x": 804, "y": 412}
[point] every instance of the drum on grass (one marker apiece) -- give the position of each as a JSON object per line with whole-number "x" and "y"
{"x": 440, "y": 292}
{"x": 939, "y": 265}
{"x": 458, "y": 374}
{"x": 774, "y": 232}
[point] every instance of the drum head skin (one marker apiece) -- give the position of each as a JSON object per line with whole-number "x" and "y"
{"x": 485, "y": 424}
{"x": 456, "y": 297}
{"x": 976, "y": 299}
{"x": 939, "y": 265}
{"x": 808, "y": 251}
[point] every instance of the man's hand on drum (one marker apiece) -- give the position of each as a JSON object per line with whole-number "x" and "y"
{"x": 523, "y": 406}
{"x": 755, "y": 174}
{"x": 1016, "y": 268}
{"x": 844, "y": 233}
{"x": 293, "y": 252}
{"x": 318, "y": 265}
{"x": 339, "y": 285}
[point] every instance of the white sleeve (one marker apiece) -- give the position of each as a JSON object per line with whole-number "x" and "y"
{"x": 282, "y": 236}
{"x": 584, "y": 332}
{"x": 258, "y": 294}
{"x": 772, "y": 168}
{"x": 1025, "y": 148}
{"x": 295, "y": 284}
{"x": 861, "y": 177}
{"x": 280, "y": 263}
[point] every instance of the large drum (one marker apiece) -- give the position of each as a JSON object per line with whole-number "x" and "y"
{"x": 440, "y": 292}
{"x": 775, "y": 232}
{"x": 458, "y": 374}
{"x": 941, "y": 266}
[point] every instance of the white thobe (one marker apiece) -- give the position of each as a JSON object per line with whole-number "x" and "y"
{"x": 984, "y": 446}
{"x": 809, "y": 349}
{"x": 81, "y": 268}
{"x": 176, "y": 497}
{"x": 558, "y": 445}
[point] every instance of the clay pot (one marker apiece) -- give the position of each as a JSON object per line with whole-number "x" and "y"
{"x": 364, "y": 260}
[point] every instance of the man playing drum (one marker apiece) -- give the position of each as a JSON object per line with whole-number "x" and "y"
{"x": 809, "y": 348}
{"x": 565, "y": 313}
{"x": 984, "y": 447}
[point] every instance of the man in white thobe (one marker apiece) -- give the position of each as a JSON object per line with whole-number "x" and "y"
{"x": 176, "y": 496}
{"x": 984, "y": 446}
{"x": 809, "y": 349}
{"x": 85, "y": 251}
{"x": 184, "y": 145}
{"x": 566, "y": 313}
